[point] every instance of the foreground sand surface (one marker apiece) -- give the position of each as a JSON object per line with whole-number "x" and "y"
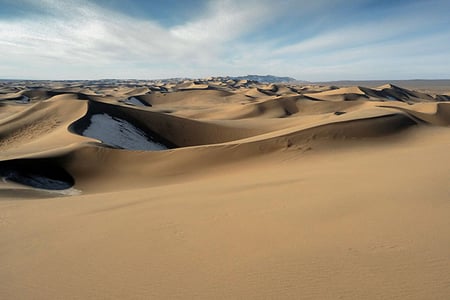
{"x": 264, "y": 191}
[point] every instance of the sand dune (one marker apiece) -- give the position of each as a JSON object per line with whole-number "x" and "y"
{"x": 223, "y": 189}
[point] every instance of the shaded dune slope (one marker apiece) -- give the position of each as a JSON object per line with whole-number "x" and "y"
{"x": 139, "y": 169}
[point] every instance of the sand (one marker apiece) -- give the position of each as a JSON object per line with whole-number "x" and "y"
{"x": 253, "y": 191}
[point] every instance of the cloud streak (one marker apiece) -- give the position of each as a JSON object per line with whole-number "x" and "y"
{"x": 79, "y": 39}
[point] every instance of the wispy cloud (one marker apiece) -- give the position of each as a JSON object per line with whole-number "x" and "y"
{"x": 85, "y": 33}
{"x": 79, "y": 39}
{"x": 225, "y": 20}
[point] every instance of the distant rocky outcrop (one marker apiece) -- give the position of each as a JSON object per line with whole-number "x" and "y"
{"x": 266, "y": 78}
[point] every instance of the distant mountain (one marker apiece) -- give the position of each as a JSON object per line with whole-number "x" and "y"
{"x": 265, "y": 78}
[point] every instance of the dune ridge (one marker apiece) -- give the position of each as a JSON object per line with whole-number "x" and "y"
{"x": 205, "y": 117}
{"x": 223, "y": 188}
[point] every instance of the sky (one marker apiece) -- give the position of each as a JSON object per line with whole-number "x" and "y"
{"x": 320, "y": 40}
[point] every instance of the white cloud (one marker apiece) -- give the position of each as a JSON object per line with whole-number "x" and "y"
{"x": 83, "y": 33}
{"x": 225, "y": 20}
{"x": 78, "y": 39}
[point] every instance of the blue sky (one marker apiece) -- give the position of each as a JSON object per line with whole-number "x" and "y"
{"x": 310, "y": 40}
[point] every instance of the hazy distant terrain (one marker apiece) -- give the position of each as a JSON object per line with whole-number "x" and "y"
{"x": 266, "y": 78}
{"x": 436, "y": 86}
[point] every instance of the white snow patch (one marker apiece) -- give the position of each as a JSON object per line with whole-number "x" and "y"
{"x": 120, "y": 133}
{"x": 134, "y": 101}
{"x": 391, "y": 98}
{"x": 23, "y": 100}
{"x": 66, "y": 192}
